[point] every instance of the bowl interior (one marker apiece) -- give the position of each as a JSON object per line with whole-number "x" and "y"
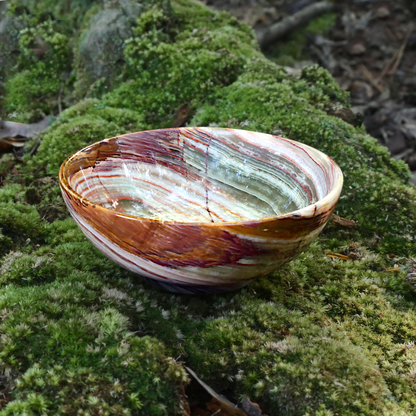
{"x": 201, "y": 175}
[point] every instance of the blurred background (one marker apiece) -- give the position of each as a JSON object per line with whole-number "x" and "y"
{"x": 369, "y": 47}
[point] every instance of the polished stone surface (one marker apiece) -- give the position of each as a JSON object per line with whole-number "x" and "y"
{"x": 200, "y": 209}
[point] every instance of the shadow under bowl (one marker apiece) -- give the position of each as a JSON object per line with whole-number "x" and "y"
{"x": 200, "y": 210}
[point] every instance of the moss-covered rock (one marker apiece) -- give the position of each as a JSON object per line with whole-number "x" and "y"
{"x": 100, "y": 55}
{"x": 10, "y": 27}
{"x": 79, "y": 335}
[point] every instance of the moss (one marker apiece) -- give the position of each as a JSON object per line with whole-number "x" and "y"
{"x": 37, "y": 86}
{"x": 319, "y": 337}
{"x": 38, "y": 65}
{"x": 174, "y": 68}
{"x": 293, "y": 48}
{"x": 317, "y": 325}
{"x": 10, "y": 192}
{"x": 83, "y": 131}
{"x": 6, "y": 244}
{"x": 373, "y": 181}
{"x": 20, "y": 222}
{"x": 85, "y": 359}
{"x": 125, "y": 118}
{"x": 69, "y": 14}
{"x": 99, "y": 52}
{"x": 9, "y": 31}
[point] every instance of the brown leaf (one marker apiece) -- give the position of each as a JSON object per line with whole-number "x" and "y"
{"x": 222, "y": 409}
{"x": 5, "y": 146}
{"x": 344, "y": 222}
{"x": 197, "y": 411}
{"x": 41, "y": 47}
{"x": 17, "y": 134}
{"x": 181, "y": 115}
{"x": 218, "y": 403}
{"x": 252, "y": 409}
{"x": 346, "y": 115}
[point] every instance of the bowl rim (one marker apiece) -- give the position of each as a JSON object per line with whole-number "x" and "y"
{"x": 309, "y": 211}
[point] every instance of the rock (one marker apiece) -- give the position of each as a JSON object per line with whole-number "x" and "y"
{"x": 346, "y": 114}
{"x": 100, "y": 54}
{"x": 361, "y": 92}
{"x": 396, "y": 142}
{"x": 10, "y": 28}
{"x": 357, "y": 49}
{"x": 406, "y": 120}
{"x": 413, "y": 180}
{"x": 382, "y": 12}
{"x": 252, "y": 409}
{"x": 411, "y": 274}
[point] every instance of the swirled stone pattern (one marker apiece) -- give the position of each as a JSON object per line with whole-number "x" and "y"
{"x": 200, "y": 210}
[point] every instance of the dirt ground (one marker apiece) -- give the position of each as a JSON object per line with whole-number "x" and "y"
{"x": 371, "y": 52}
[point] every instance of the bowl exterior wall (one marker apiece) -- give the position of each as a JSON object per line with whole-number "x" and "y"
{"x": 197, "y": 258}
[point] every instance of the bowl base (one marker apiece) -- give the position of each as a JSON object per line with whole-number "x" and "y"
{"x": 194, "y": 289}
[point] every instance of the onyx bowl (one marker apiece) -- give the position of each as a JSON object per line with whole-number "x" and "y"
{"x": 198, "y": 209}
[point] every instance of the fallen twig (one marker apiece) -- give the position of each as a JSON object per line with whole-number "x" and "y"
{"x": 401, "y": 52}
{"x": 369, "y": 1}
{"x": 390, "y": 34}
{"x": 396, "y": 269}
{"x": 290, "y": 23}
{"x": 338, "y": 256}
{"x": 387, "y": 67}
{"x": 370, "y": 78}
{"x": 411, "y": 70}
{"x": 395, "y": 59}
{"x": 60, "y": 99}
{"x": 36, "y": 146}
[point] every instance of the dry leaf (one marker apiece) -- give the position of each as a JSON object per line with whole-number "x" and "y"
{"x": 181, "y": 115}
{"x": 221, "y": 409}
{"x": 17, "y": 134}
{"x": 252, "y": 409}
{"x": 197, "y": 411}
{"x": 329, "y": 253}
{"x": 336, "y": 219}
{"x": 218, "y": 403}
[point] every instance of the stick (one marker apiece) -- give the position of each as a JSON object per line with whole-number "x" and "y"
{"x": 36, "y": 146}
{"x": 391, "y": 35}
{"x": 387, "y": 67}
{"x": 369, "y": 1}
{"x": 59, "y": 100}
{"x": 290, "y": 23}
{"x": 401, "y": 51}
{"x": 396, "y": 57}
{"x": 370, "y": 78}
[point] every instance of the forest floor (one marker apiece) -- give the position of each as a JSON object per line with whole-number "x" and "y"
{"x": 368, "y": 46}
